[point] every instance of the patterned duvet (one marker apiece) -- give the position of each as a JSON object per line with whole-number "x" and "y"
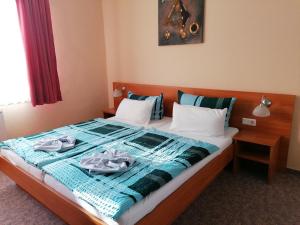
{"x": 159, "y": 156}
{"x": 89, "y": 135}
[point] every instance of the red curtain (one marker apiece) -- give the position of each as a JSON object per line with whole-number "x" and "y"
{"x": 36, "y": 27}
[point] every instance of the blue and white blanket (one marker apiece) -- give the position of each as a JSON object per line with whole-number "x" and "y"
{"x": 159, "y": 157}
{"x": 88, "y": 135}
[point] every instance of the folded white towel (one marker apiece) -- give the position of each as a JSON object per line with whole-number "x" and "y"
{"x": 68, "y": 142}
{"x": 60, "y": 144}
{"x": 110, "y": 161}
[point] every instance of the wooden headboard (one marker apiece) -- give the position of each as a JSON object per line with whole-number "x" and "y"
{"x": 279, "y": 123}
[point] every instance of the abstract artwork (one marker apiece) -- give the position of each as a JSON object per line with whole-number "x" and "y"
{"x": 180, "y": 21}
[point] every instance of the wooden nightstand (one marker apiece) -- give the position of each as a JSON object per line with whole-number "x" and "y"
{"x": 110, "y": 112}
{"x": 258, "y": 147}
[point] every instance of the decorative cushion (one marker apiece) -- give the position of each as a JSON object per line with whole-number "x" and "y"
{"x": 208, "y": 102}
{"x": 158, "y": 107}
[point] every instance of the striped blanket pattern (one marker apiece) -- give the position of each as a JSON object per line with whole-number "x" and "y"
{"x": 89, "y": 135}
{"x": 159, "y": 157}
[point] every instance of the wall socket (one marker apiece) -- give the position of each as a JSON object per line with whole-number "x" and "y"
{"x": 249, "y": 122}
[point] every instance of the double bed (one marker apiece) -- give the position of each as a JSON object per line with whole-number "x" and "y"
{"x": 155, "y": 208}
{"x": 142, "y": 208}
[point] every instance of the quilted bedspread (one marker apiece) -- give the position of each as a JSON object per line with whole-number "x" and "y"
{"x": 90, "y": 134}
{"x": 159, "y": 157}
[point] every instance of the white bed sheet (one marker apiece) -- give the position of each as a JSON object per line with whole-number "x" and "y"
{"x": 158, "y": 124}
{"x": 142, "y": 208}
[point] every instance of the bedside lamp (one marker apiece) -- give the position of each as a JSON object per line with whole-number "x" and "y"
{"x": 118, "y": 92}
{"x": 262, "y": 109}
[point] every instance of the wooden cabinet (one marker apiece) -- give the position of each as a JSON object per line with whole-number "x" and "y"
{"x": 258, "y": 147}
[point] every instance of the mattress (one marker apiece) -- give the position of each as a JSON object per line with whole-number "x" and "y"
{"x": 142, "y": 208}
{"x": 21, "y": 163}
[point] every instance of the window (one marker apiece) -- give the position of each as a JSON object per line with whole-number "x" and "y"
{"x": 14, "y": 86}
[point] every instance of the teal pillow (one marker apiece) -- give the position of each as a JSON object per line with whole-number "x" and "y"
{"x": 158, "y": 108}
{"x": 208, "y": 102}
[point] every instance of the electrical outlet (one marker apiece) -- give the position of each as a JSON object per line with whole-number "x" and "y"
{"x": 249, "y": 122}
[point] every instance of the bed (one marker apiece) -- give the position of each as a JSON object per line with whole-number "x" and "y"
{"x": 154, "y": 209}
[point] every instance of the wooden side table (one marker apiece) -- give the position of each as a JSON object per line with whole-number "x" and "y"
{"x": 109, "y": 112}
{"x": 258, "y": 147}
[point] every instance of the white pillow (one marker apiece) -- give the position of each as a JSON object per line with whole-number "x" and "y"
{"x": 134, "y": 111}
{"x": 203, "y": 121}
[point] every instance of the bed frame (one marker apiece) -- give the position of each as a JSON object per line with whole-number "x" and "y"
{"x": 165, "y": 213}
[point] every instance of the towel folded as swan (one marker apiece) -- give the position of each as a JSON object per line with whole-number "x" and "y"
{"x": 59, "y": 144}
{"x": 110, "y": 161}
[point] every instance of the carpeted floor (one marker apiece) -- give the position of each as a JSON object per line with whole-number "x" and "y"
{"x": 244, "y": 199}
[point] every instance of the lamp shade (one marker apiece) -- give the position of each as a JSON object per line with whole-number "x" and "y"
{"x": 261, "y": 111}
{"x": 117, "y": 93}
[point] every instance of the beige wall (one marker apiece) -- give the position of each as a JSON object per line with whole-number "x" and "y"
{"x": 249, "y": 45}
{"x": 79, "y": 42}
{"x": 112, "y": 44}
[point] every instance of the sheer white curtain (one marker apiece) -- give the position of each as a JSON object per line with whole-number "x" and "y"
{"x": 14, "y": 87}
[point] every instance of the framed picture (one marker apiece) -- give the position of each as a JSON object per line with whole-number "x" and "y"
{"x": 180, "y": 21}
